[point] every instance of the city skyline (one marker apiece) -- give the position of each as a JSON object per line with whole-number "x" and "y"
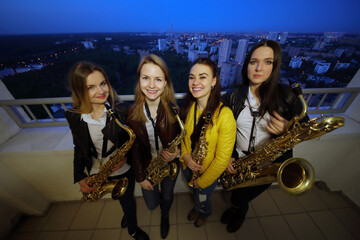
{"x": 47, "y": 17}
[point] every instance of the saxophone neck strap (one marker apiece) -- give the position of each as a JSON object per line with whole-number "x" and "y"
{"x": 254, "y": 114}
{"x": 104, "y": 151}
{"x": 153, "y": 123}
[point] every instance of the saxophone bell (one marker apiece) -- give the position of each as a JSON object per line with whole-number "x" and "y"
{"x": 119, "y": 189}
{"x": 295, "y": 176}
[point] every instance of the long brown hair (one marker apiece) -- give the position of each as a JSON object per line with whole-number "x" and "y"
{"x": 136, "y": 111}
{"x": 77, "y": 80}
{"x": 268, "y": 89}
{"x": 213, "y": 101}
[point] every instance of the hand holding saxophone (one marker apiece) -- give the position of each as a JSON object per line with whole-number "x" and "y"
{"x": 230, "y": 168}
{"x": 146, "y": 184}
{"x": 84, "y": 186}
{"x": 277, "y": 124}
{"x": 119, "y": 165}
{"x": 169, "y": 156}
{"x": 190, "y": 163}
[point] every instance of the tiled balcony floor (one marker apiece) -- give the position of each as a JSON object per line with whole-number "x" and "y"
{"x": 318, "y": 214}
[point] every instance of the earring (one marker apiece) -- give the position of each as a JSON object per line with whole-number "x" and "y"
{"x": 212, "y": 87}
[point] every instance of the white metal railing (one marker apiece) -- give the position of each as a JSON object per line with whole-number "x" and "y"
{"x": 46, "y": 112}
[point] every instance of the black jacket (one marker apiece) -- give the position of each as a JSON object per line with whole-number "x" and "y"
{"x": 288, "y": 106}
{"x": 84, "y": 148}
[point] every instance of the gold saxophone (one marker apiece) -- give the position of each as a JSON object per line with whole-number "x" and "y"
{"x": 99, "y": 181}
{"x": 158, "y": 169}
{"x": 200, "y": 150}
{"x": 295, "y": 175}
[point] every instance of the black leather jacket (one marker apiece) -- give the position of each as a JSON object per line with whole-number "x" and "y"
{"x": 141, "y": 151}
{"x": 84, "y": 148}
{"x": 288, "y": 104}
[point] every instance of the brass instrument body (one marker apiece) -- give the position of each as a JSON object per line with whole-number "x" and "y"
{"x": 158, "y": 169}
{"x": 200, "y": 152}
{"x": 100, "y": 182}
{"x": 256, "y": 168}
{"x": 295, "y": 175}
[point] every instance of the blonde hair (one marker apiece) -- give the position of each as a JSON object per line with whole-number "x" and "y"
{"x": 77, "y": 80}
{"x": 136, "y": 111}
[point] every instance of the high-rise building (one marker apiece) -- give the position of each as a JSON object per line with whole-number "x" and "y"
{"x": 213, "y": 49}
{"x": 322, "y": 68}
{"x": 194, "y": 54}
{"x": 202, "y": 46}
{"x": 338, "y": 52}
{"x": 224, "y": 52}
{"x": 341, "y": 66}
{"x": 283, "y": 37}
{"x": 319, "y": 44}
{"x": 142, "y": 53}
{"x": 88, "y": 44}
{"x": 295, "y": 62}
{"x": 228, "y": 73}
{"x": 162, "y": 44}
{"x": 241, "y": 51}
{"x": 273, "y": 36}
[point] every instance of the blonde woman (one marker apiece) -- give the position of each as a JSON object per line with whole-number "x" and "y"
{"x": 155, "y": 127}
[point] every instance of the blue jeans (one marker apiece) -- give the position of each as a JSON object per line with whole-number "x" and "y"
{"x": 163, "y": 196}
{"x": 127, "y": 201}
{"x": 201, "y": 196}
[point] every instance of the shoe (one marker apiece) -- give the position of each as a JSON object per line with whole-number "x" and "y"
{"x": 164, "y": 227}
{"x": 123, "y": 222}
{"x": 227, "y": 215}
{"x": 200, "y": 220}
{"x": 192, "y": 215}
{"x": 140, "y": 235}
{"x": 235, "y": 224}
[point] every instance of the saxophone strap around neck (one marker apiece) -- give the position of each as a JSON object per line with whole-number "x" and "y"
{"x": 153, "y": 123}
{"x": 254, "y": 114}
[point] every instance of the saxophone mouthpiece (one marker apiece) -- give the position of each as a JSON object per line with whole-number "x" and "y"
{"x": 109, "y": 110}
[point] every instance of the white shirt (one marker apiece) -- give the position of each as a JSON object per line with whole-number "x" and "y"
{"x": 97, "y": 137}
{"x": 151, "y": 134}
{"x": 244, "y": 124}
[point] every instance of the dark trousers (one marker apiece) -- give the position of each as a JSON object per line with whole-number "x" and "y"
{"x": 163, "y": 195}
{"x": 241, "y": 197}
{"x": 127, "y": 201}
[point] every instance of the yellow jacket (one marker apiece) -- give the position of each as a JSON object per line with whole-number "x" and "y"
{"x": 221, "y": 138}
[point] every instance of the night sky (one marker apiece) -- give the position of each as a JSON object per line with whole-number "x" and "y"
{"x": 80, "y": 16}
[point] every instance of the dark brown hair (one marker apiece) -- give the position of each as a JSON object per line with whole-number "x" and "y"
{"x": 268, "y": 89}
{"x": 213, "y": 101}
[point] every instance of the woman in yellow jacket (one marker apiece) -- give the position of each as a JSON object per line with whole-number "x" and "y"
{"x": 203, "y": 99}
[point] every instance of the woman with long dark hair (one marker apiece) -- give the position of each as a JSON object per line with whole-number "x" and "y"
{"x": 202, "y": 100}
{"x": 97, "y": 135}
{"x": 262, "y": 108}
{"x": 155, "y": 127}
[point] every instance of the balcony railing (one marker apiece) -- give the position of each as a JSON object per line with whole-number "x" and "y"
{"x": 46, "y": 112}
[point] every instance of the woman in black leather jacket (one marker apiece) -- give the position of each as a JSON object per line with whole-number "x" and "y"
{"x": 96, "y": 135}
{"x": 262, "y": 108}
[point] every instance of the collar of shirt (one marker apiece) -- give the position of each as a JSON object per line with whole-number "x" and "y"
{"x": 88, "y": 119}
{"x": 252, "y": 101}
